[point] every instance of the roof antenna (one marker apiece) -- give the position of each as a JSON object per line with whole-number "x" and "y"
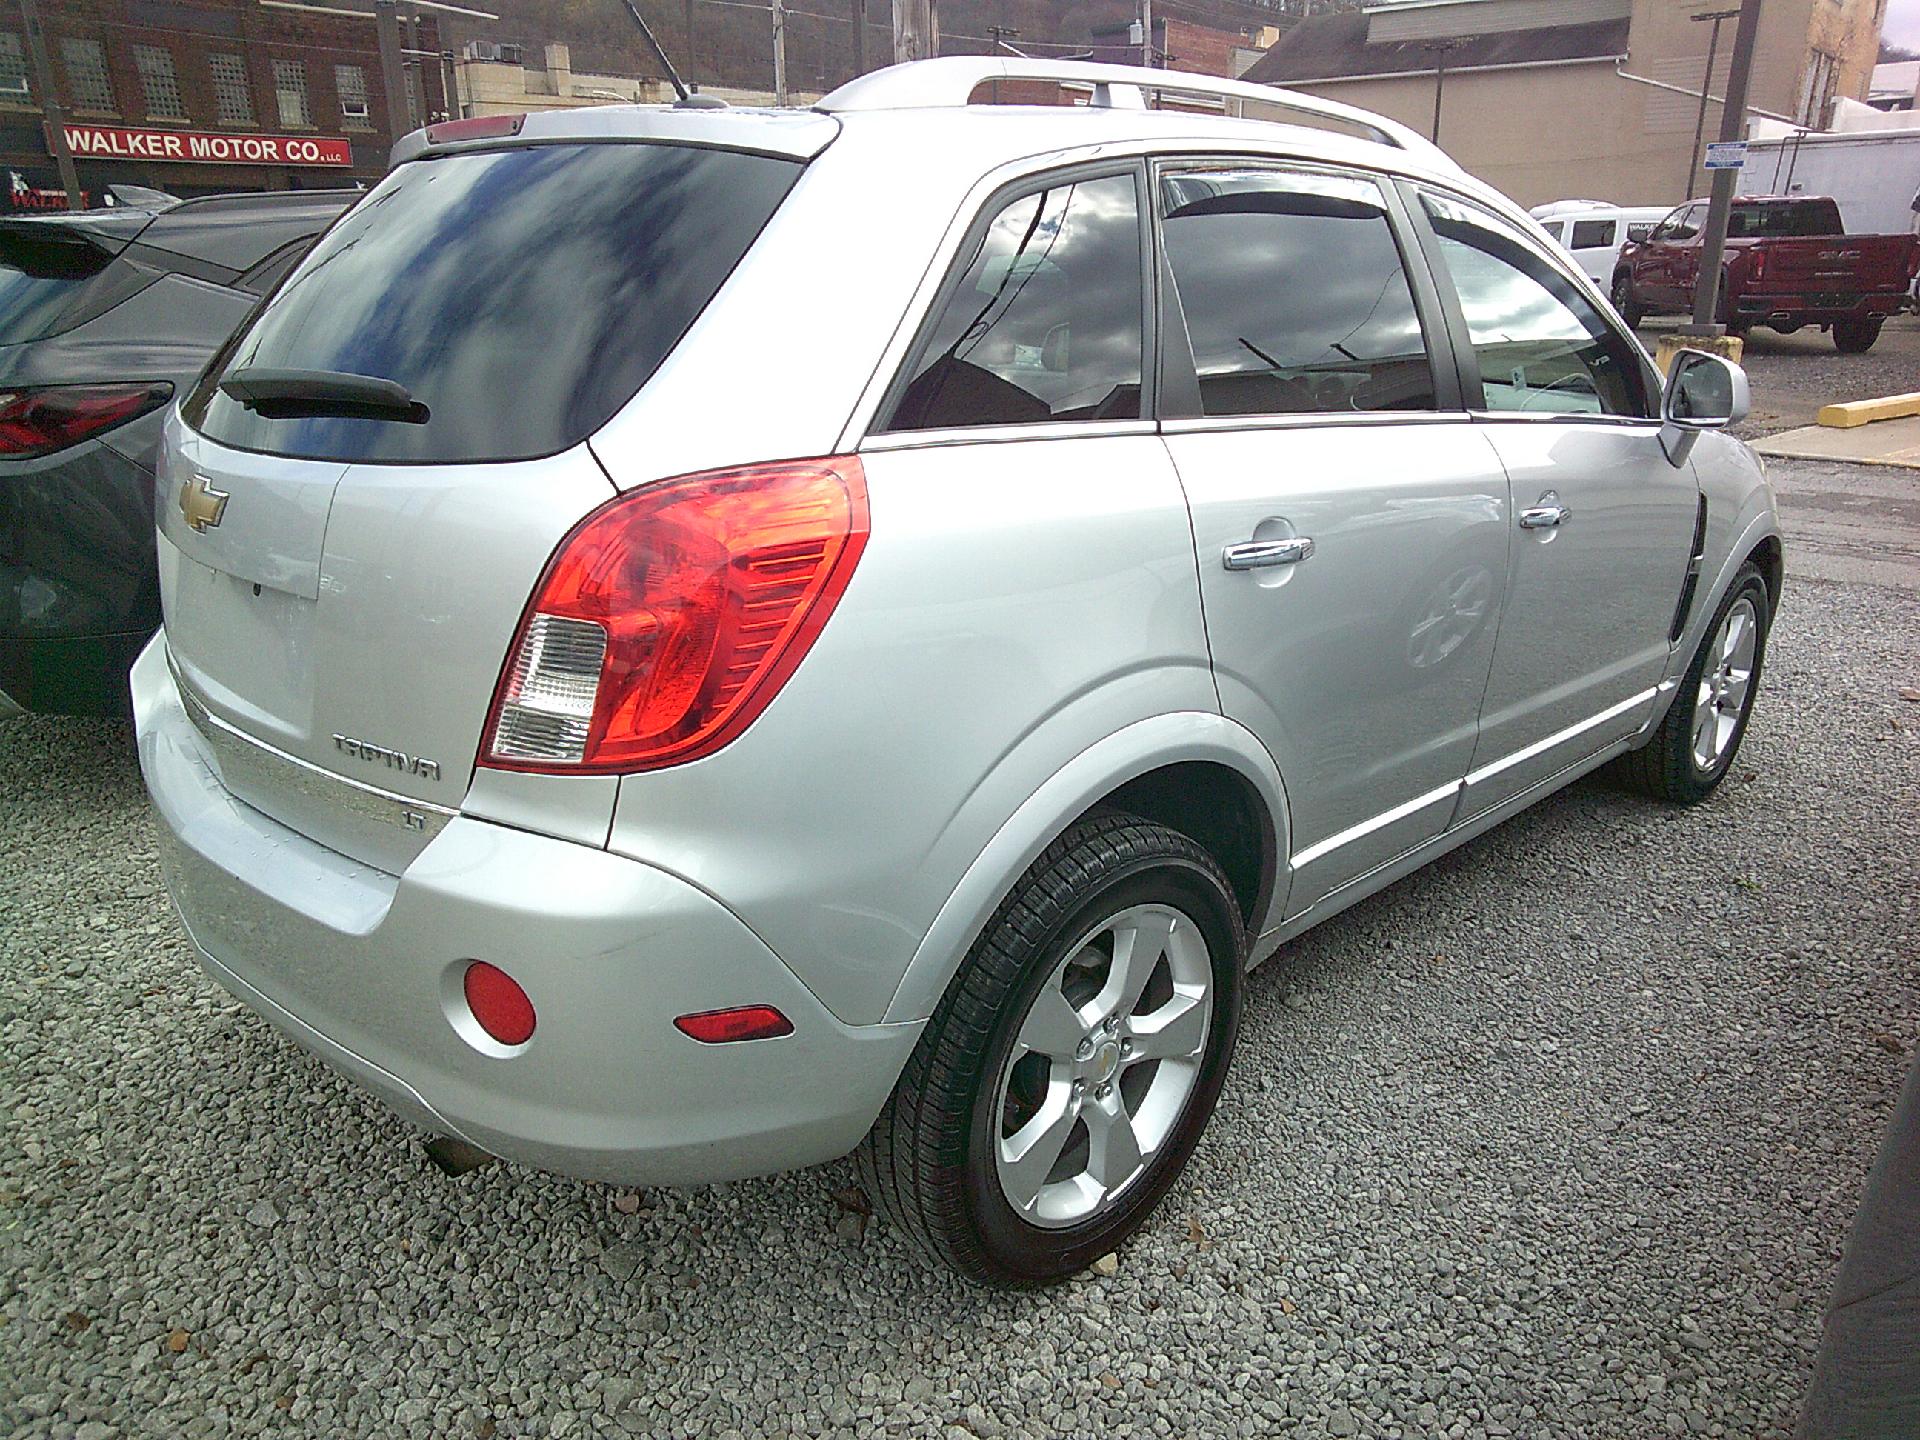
{"x": 702, "y": 102}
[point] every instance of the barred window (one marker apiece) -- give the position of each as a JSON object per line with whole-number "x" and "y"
{"x": 13, "y": 67}
{"x": 159, "y": 82}
{"x": 290, "y": 86}
{"x": 87, "y": 74}
{"x": 230, "y": 91}
{"x": 351, "y": 83}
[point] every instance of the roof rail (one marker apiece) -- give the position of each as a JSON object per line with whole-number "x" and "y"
{"x": 952, "y": 79}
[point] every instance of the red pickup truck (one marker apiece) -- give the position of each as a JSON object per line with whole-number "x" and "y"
{"x": 1788, "y": 263}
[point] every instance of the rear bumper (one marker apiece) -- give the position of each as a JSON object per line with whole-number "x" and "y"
{"x": 364, "y": 968}
{"x": 1815, "y": 309}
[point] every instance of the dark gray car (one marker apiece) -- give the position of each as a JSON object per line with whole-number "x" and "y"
{"x": 104, "y": 316}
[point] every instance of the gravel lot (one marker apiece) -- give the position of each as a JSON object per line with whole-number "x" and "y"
{"x": 1558, "y": 1138}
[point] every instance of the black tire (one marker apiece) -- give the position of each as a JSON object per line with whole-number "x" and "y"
{"x": 1625, "y": 301}
{"x": 1666, "y": 767}
{"x": 1856, "y": 337}
{"x": 928, "y": 1164}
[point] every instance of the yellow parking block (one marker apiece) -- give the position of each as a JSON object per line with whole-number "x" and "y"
{"x": 1849, "y": 413}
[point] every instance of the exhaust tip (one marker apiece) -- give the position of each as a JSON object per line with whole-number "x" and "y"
{"x": 456, "y": 1157}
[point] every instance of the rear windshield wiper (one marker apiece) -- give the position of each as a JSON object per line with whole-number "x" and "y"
{"x": 274, "y": 392}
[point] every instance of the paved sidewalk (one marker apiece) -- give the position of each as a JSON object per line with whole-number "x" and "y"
{"x": 1884, "y": 442}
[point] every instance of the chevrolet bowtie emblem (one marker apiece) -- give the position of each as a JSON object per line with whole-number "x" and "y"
{"x": 201, "y": 504}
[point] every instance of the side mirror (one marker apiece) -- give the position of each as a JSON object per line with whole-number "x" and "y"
{"x": 1704, "y": 392}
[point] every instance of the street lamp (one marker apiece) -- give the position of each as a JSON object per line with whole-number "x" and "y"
{"x": 1706, "y": 86}
{"x": 1439, "y": 49}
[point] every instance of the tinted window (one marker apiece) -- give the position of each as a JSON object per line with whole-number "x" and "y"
{"x": 521, "y": 296}
{"x": 51, "y": 282}
{"x": 1785, "y": 217}
{"x": 1540, "y": 345}
{"x": 1592, "y": 234}
{"x": 1295, "y": 296}
{"x": 1045, "y": 323}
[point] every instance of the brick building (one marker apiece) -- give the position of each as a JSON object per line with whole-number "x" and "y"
{"x": 198, "y": 96}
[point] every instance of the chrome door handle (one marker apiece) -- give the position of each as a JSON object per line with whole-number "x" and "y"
{"x": 1545, "y": 517}
{"x": 1254, "y": 554}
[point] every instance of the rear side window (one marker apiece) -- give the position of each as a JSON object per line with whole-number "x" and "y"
{"x": 521, "y": 296}
{"x": 1295, "y": 296}
{"x": 51, "y": 282}
{"x": 1045, "y": 323}
{"x": 1784, "y": 218}
{"x": 1593, "y": 234}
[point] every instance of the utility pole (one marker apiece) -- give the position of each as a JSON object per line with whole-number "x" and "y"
{"x": 386, "y": 24}
{"x": 779, "y": 53}
{"x": 1146, "y": 32}
{"x": 1706, "y": 88}
{"x": 50, "y": 107}
{"x": 1439, "y": 49}
{"x": 1733, "y": 122}
{"x": 916, "y": 30}
{"x": 859, "y": 36}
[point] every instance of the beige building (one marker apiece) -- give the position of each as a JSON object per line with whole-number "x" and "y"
{"x": 1557, "y": 99}
{"x": 494, "y": 79}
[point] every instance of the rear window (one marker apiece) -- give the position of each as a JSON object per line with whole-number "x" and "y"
{"x": 521, "y": 296}
{"x": 1793, "y": 217}
{"x": 50, "y": 282}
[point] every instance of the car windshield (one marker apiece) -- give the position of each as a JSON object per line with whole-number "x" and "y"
{"x": 518, "y": 296}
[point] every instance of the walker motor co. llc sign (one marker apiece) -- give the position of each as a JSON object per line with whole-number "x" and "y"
{"x": 117, "y": 142}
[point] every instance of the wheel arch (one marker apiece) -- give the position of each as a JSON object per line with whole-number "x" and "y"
{"x": 1199, "y": 773}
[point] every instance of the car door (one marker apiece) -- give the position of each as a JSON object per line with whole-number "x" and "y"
{"x": 1349, "y": 518}
{"x": 1684, "y": 265}
{"x": 1653, "y": 266}
{"x": 1603, "y": 524}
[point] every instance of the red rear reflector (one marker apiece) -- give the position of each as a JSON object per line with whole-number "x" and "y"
{"x": 498, "y": 1003}
{"x": 671, "y": 616}
{"x": 480, "y": 127}
{"x": 1759, "y": 264}
{"x": 52, "y": 417}
{"x": 748, "y": 1022}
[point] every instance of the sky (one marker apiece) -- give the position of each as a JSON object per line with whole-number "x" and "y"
{"x": 1902, "y": 23}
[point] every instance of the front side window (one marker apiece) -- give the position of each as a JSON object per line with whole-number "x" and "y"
{"x": 1541, "y": 347}
{"x": 290, "y": 87}
{"x": 1593, "y": 234}
{"x": 1046, "y": 321}
{"x": 230, "y": 92}
{"x": 158, "y": 82}
{"x": 1295, "y": 296}
{"x": 87, "y": 75}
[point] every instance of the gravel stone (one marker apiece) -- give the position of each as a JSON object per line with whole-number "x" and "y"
{"x": 1542, "y": 1158}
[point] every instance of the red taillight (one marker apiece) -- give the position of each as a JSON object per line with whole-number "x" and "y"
{"x": 480, "y": 127}
{"x": 52, "y": 417}
{"x": 748, "y": 1022}
{"x": 672, "y": 615}
{"x": 498, "y": 1003}
{"x": 1759, "y": 264}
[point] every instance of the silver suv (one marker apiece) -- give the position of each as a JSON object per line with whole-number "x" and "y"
{"x": 698, "y": 641}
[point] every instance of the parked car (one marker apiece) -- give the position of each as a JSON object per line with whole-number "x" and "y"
{"x": 1788, "y": 264}
{"x": 659, "y": 693}
{"x": 1594, "y": 232}
{"x": 104, "y": 315}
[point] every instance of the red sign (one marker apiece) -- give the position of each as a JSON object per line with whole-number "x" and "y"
{"x": 117, "y": 142}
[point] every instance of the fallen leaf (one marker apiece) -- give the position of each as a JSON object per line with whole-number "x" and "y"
{"x": 1889, "y": 1043}
{"x": 627, "y": 1202}
{"x": 485, "y": 1428}
{"x": 1108, "y": 1264}
{"x": 853, "y": 1198}
{"x": 77, "y": 1322}
{"x": 1110, "y": 1380}
{"x": 252, "y": 1361}
{"x": 1179, "y": 1269}
{"x": 283, "y": 1402}
{"x": 177, "y": 1341}
{"x": 1287, "y": 1307}
{"x": 1908, "y": 692}
{"x": 1198, "y": 1235}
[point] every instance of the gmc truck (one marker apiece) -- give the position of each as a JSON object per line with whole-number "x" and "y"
{"x": 1788, "y": 263}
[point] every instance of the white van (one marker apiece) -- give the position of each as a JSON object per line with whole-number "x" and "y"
{"x": 1593, "y": 231}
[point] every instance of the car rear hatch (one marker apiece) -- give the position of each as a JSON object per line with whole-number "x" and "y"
{"x": 359, "y": 497}
{"x": 57, "y": 272}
